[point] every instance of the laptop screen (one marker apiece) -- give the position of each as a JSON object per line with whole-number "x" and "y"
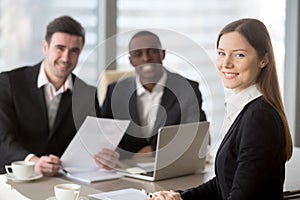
{"x": 177, "y": 145}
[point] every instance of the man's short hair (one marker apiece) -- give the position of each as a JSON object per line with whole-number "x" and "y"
{"x": 65, "y": 24}
{"x": 145, "y": 33}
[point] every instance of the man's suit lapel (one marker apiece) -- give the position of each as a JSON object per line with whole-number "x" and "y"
{"x": 63, "y": 109}
{"x": 128, "y": 105}
{"x": 43, "y": 108}
{"x": 167, "y": 101}
{"x": 38, "y": 94}
{"x": 133, "y": 109}
{"x": 65, "y": 105}
{"x": 132, "y": 96}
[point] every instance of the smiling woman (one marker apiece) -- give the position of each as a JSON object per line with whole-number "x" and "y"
{"x": 238, "y": 62}
{"x": 257, "y": 137}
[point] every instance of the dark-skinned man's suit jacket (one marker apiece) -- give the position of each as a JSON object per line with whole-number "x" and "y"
{"x": 24, "y": 125}
{"x": 181, "y": 103}
{"x": 250, "y": 162}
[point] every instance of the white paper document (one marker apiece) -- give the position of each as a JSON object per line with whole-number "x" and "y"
{"x": 93, "y": 135}
{"x": 94, "y": 176}
{"x": 125, "y": 194}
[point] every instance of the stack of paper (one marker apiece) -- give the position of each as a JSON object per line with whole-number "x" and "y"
{"x": 94, "y": 176}
{"x": 93, "y": 135}
{"x": 125, "y": 194}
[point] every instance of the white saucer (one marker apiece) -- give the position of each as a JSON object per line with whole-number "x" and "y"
{"x": 80, "y": 198}
{"x": 15, "y": 179}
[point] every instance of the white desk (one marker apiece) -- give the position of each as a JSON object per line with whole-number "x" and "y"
{"x": 43, "y": 188}
{"x": 39, "y": 189}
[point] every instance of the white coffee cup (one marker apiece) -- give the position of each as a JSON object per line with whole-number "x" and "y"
{"x": 68, "y": 191}
{"x": 20, "y": 169}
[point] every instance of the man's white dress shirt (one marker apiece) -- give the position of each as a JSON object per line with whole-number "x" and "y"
{"x": 148, "y": 103}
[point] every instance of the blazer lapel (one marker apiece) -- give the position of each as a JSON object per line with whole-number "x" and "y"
{"x": 230, "y": 131}
{"x": 133, "y": 109}
{"x": 63, "y": 108}
{"x": 38, "y": 94}
{"x": 40, "y": 97}
{"x": 168, "y": 99}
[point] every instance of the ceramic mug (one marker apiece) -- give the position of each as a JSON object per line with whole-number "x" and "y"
{"x": 20, "y": 169}
{"x": 68, "y": 191}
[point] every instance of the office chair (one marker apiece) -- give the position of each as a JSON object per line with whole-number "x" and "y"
{"x": 110, "y": 76}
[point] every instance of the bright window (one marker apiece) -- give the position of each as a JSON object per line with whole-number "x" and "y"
{"x": 23, "y": 26}
{"x": 199, "y": 21}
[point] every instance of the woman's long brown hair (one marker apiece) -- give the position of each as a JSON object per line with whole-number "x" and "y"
{"x": 258, "y": 37}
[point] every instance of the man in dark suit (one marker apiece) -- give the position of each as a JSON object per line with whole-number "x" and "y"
{"x": 152, "y": 99}
{"x": 42, "y": 106}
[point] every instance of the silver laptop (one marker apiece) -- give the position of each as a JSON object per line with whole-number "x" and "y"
{"x": 181, "y": 150}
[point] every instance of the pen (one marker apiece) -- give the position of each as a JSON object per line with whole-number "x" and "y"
{"x": 65, "y": 172}
{"x": 149, "y": 195}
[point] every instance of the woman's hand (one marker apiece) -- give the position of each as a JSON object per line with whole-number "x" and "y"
{"x": 166, "y": 195}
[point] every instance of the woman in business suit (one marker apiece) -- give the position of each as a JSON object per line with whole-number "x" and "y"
{"x": 250, "y": 162}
